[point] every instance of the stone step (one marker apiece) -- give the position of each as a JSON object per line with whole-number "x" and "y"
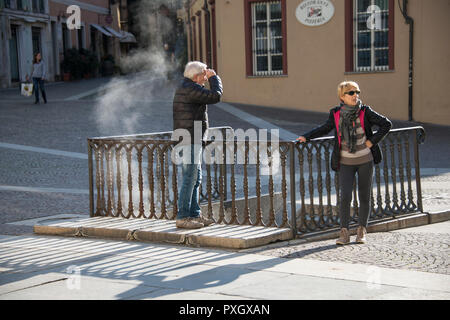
{"x": 158, "y": 230}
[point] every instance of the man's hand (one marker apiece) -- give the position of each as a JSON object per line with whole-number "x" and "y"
{"x": 369, "y": 144}
{"x": 301, "y": 139}
{"x": 210, "y": 73}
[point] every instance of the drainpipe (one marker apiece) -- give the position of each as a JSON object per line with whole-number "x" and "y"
{"x": 410, "y": 21}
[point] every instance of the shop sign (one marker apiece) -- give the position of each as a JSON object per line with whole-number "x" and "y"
{"x": 314, "y": 13}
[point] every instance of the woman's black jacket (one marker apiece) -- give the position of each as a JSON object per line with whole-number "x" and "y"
{"x": 370, "y": 118}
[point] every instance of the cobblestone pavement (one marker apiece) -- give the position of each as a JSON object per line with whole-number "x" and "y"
{"x": 436, "y": 191}
{"x": 427, "y": 252}
{"x": 65, "y": 125}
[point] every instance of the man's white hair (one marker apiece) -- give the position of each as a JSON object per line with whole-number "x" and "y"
{"x": 193, "y": 68}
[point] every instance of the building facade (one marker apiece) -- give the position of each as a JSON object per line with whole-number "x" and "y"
{"x": 24, "y": 29}
{"x": 293, "y": 53}
{"x": 31, "y": 26}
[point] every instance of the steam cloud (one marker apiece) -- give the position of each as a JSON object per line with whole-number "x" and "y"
{"x": 117, "y": 111}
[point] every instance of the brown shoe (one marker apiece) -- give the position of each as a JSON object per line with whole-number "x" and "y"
{"x": 206, "y": 221}
{"x": 344, "y": 237}
{"x": 189, "y": 223}
{"x": 361, "y": 235}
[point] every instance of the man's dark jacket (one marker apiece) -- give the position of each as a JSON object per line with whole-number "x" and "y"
{"x": 370, "y": 118}
{"x": 190, "y": 104}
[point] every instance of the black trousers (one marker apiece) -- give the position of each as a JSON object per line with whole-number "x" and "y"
{"x": 347, "y": 174}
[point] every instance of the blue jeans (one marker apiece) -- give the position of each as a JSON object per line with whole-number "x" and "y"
{"x": 38, "y": 84}
{"x": 188, "y": 198}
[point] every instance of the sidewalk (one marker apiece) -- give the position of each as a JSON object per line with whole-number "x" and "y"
{"x": 44, "y": 267}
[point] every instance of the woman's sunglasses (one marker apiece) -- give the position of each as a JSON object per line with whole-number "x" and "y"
{"x": 350, "y": 93}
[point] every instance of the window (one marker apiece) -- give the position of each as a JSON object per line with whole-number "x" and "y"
{"x": 369, "y": 35}
{"x": 65, "y": 37}
{"x": 266, "y": 38}
{"x": 38, "y": 6}
{"x": 371, "y": 38}
{"x": 93, "y": 40}
{"x": 14, "y": 54}
{"x": 36, "y": 39}
{"x": 105, "y": 45}
{"x": 200, "y": 41}
{"x": 80, "y": 34}
{"x": 194, "y": 39}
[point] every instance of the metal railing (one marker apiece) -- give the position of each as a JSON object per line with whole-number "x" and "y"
{"x": 285, "y": 185}
{"x": 397, "y": 188}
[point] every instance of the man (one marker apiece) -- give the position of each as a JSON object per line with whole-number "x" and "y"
{"x": 190, "y": 108}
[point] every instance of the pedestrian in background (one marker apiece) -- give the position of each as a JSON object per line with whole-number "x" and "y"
{"x": 38, "y": 75}
{"x": 189, "y": 106}
{"x": 356, "y": 150}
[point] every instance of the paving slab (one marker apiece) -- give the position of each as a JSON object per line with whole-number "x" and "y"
{"x": 216, "y": 235}
{"x": 110, "y": 269}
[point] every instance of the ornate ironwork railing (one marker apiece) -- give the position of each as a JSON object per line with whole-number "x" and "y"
{"x": 282, "y": 184}
{"x": 397, "y": 188}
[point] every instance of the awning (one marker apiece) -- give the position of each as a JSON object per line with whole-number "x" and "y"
{"x": 124, "y": 36}
{"x": 99, "y": 28}
{"x": 28, "y": 18}
{"x": 127, "y": 37}
{"x": 112, "y": 31}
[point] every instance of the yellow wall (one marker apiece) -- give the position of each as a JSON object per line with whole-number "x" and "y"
{"x": 432, "y": 60}
{"x": 316, "y": 63}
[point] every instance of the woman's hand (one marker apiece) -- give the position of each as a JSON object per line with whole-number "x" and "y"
{"x": 369, "y": 144}
{"x": 301, "y": 139}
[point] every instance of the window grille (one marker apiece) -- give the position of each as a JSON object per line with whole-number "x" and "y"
{"x": 371, "y": 35}
{"x": 267, "y": 38}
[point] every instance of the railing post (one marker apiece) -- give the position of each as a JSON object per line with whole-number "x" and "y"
{"x": 224, "y": 161}
{"x": 91, "y": 179}
{"x": 416, "y": 161}
{"x": 292, "y": 182}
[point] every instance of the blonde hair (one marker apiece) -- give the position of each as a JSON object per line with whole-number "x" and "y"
{"x": 193, "y": 68}
{"x": 345, "y": 86}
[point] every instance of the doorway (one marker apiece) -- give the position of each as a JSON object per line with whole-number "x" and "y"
{"x": 13, "y": 54}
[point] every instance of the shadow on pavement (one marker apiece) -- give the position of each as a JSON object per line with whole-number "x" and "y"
{"x": 157, "y": 268}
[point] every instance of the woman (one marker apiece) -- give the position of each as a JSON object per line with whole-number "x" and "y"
{"x": 38, "y": 76}
{"x": 356, "y": 150}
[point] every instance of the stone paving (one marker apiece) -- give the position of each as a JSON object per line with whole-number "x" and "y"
{"x": 65, "y": 125}
{"x": 408, "y": 250}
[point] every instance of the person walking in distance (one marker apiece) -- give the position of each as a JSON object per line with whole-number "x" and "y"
{"x": 190, "y": 107}
{"x": 38, "y": 75}
{"x": 356, "y": 150}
